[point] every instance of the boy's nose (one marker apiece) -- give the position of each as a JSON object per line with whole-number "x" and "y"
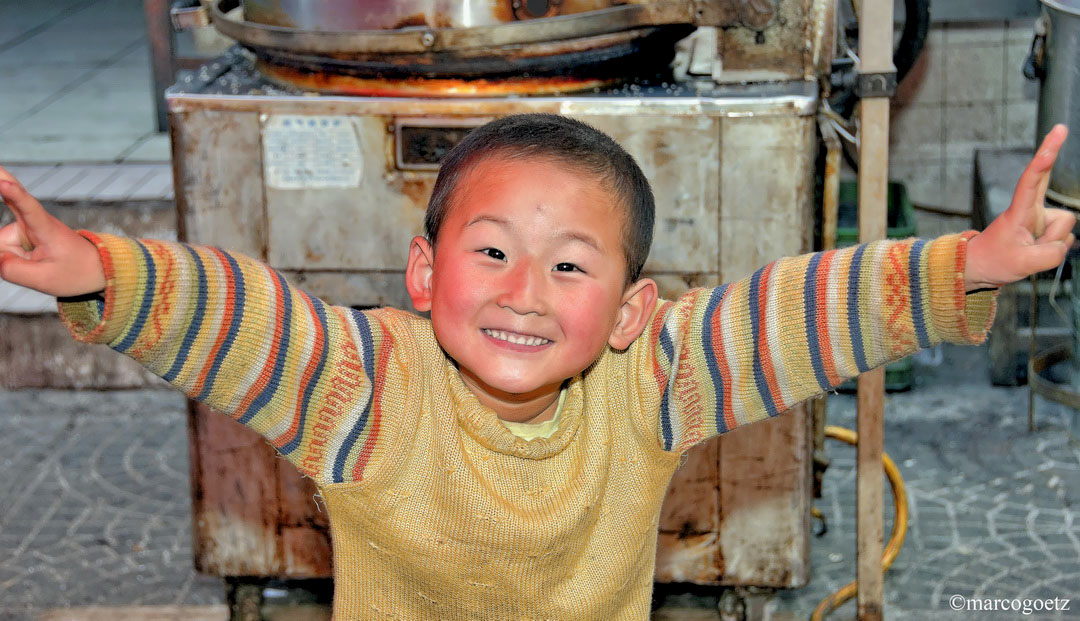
{"x": 523, "y": 289}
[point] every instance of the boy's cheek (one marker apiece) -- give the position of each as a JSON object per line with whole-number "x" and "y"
{"x": 590, "y": 315}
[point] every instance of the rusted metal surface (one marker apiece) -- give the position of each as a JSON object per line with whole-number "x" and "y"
{"x": 217, "y": 176}
{"x": 393, "y": 14}
{"x": 765, "y": 495}
{"x": 761, "y": 40}
{"x": 36, "y": 351}
{"x": 778, "y": 50}
{"x": 754, "y": 14}
{"x": 429, "y": 87}
{"x": 822, "y": 37}
{"x": 422, "y": 39}
{"x": 733, "y": 183}
{"x": 322, "y": 235}
{"x": 357, "y": 289}
{"x": 767, "y": 191}
{"x": 681, "y": 157}
{"x": 640, "y": 51}
{"x": 421, "y": 144}
{"x": 765, "y": 468}
{"x": 252, "y": 512}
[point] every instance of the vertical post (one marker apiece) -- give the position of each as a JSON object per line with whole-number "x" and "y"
{"x": 160, "y": 34}
{"x": 875, "y": 56}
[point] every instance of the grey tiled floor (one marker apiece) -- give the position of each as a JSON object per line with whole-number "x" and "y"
{"x": 76, "y": 84}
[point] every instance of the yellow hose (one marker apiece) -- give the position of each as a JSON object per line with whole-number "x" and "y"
{"x": 896, "y": 537}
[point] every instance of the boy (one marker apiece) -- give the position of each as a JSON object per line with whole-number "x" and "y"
{"x": 507, "y": 459}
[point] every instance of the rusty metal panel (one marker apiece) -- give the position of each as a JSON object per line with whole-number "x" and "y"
{"x": 733, "y": 182}
{"x": 37, "y": 351}
{"x": 689, "y": 558}
{"x": 387, "y": 207}
{"x": 766, "y": 192}
{"x": 777, "y": 47}
{"x": 240, "y": 489}
{"x": 356, "y": 289}
{"x": 680, "y": 155}
{"x": 692, "y": 506}
{"x": 217, "y": 172}
{"x": 765, "y": 468}
{"x": 303, "y": 525}
{"x": 765, "y": 496}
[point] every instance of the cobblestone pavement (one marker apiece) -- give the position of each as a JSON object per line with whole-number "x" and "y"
{"x": 94, "y": 502}
{"x": 993, "y": 509}
{"x": 94, "y": 505}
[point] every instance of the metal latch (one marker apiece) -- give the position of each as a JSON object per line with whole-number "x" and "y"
{"x": 879, "y": 84}
{"x": 188, "y": 14}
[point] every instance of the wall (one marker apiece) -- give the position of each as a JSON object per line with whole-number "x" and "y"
{"x": 966, "y": 92}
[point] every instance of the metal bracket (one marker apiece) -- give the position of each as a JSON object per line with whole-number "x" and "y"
{"x": 881, "y": 84}
{"x": 186, "y": 15}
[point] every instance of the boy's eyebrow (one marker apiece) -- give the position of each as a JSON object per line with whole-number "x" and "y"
{"x": 488, "y": 218}
{"x": 584, "y": 238}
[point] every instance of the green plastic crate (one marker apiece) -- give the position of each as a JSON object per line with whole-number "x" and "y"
{"x": 900, "y": 225}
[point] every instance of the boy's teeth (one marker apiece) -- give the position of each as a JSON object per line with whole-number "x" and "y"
{"x": 517, "y": 339}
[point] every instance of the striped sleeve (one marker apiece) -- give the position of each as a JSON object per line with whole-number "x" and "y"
{"x": 725, "y": 357}
{"x": 232, "y": 333}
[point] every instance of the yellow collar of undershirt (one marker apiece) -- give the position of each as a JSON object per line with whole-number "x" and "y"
{"x": 530, "y": 431}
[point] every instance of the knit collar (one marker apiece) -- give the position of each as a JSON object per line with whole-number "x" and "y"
{"x": 481, "y": 422}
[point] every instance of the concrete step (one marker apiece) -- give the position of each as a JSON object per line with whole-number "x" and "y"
{"x": 96, "y": 182}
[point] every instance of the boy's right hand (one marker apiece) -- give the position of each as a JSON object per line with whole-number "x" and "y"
{"x": 40, "y": 252}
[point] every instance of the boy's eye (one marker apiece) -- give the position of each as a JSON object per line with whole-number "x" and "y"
{"x": 567, "y": 267}
{"x": 494, "y": 253}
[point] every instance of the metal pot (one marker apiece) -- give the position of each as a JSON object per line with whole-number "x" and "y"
{"x": 336, "y": 15}
{"x": 1056, "y": 61}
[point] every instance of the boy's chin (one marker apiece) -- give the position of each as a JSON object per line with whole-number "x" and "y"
{"x": 513, "y": 388}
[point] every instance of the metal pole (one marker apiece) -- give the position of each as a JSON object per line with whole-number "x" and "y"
{"x": 875, "y": 57}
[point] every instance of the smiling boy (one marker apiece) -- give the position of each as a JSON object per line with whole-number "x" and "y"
{"x": 507, "y": 458}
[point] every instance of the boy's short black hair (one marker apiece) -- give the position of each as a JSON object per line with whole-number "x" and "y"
{"x": 569, "y": 141}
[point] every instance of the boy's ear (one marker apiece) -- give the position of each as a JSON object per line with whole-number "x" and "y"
{"x": 638, "y": 303}
{"x": 419, "y": 271}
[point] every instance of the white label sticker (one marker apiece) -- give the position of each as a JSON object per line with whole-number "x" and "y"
{"x": 302, "y": 152}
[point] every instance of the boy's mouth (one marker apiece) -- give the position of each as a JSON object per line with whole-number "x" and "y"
{"x": 515, "y": 338}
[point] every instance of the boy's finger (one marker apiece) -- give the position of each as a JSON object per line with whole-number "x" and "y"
{"x": 18, "y": 270}
{"x": 11, "y": 240}
{"x": 1043, "y": 257}
{"x": 1031, "y": 187}
{"x": 1059, "y": 223}
{"x": 28, "y": 211}
{"x": 5, "y": 175}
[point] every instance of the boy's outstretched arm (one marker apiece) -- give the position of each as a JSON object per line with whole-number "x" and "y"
{"x": 40, "y": 252}
{"x": 1029, "y": 237}
{"x": 721, "y": 358}
{"x": 225, "y": 329}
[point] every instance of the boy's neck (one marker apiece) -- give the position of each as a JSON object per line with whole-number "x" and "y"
{"x": 533, "y": 407}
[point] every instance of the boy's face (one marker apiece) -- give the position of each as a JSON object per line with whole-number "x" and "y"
{"x": 527, "y": 285}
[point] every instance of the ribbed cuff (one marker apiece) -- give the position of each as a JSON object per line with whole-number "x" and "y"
{"x": 98, "y": 320}
{"x": 958, "y": 317}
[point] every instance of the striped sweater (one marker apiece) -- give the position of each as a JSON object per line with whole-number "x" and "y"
{"x": 436, "y": 509}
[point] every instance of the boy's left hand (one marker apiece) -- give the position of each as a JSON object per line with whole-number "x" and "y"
{"x": 1029, "y": 237}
